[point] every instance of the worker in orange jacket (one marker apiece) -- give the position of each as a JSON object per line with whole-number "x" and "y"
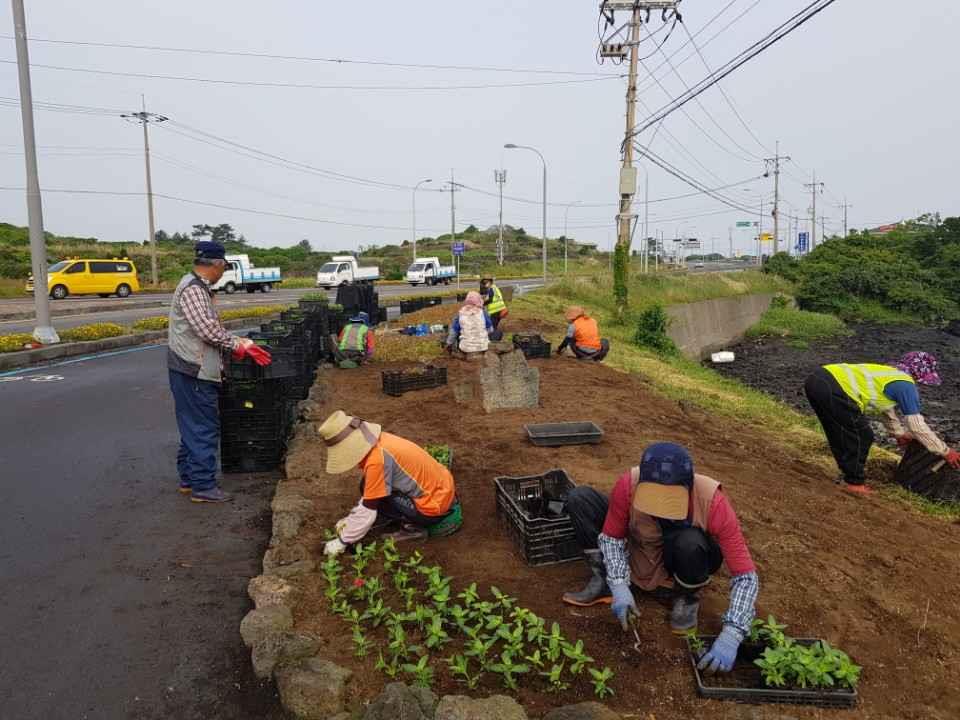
{"x": 583, "y": 336}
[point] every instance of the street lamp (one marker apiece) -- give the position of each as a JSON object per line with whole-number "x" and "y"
{"x": 415, "y": 216}
{"x": 566, "y": 213}
{"x": 511, "y": 146}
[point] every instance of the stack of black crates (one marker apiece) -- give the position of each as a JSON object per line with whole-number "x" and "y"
{"x": 258, "y": 405}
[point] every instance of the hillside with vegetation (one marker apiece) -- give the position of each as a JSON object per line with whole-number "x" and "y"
{"x": 174, "y": 252}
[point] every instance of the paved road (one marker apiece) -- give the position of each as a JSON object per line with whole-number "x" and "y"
{"x": 120, "y": 598}
{"x": 128, "y": 316}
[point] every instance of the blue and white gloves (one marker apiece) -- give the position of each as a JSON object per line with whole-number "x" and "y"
{"x": 723, "y": 653}
{"x": 623, "y": 604}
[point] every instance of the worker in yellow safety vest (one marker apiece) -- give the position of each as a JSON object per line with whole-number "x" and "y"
{"x": 843, "y": 394}
{"x": 493, "y": 301}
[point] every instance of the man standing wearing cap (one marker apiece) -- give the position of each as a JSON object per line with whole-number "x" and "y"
{"x": 355, "y": 343}
{"x": 401, "y": 481}
{"x": 583, "y": 336}
{"x": 666, "y": 530}
{"x": 196, "y": 341}
{"x": 842, "y": 395}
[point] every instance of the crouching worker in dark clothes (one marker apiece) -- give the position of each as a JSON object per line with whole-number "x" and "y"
{"x": 355, "y": 344}
{"x": 401, "y": 481}
{"x": 583, "y": 336}
{"x": 665, "y": 530}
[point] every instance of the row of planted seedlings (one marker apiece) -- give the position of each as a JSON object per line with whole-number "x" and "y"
{"x": 407, "y": 618}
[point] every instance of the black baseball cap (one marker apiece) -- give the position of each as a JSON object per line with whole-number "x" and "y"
{"x": 209, "y": 250}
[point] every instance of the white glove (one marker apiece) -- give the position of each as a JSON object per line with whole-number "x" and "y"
{"x": 334, "y": 547}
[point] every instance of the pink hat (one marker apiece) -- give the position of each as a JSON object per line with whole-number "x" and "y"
{"x": 921, "y": 366}
{"x": 474, "y": 299}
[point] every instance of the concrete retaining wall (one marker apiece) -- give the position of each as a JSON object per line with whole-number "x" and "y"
{"x": 704, "y": 327}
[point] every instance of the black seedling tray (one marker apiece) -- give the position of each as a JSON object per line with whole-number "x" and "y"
{"x": 568, "y": 433}
{"x": 397, "y": 382}
{"x": 725, "y": 687}
{"x": 526, "y": 505}
{"x": 916, "y": 473}
{"x": 532, "y": 346}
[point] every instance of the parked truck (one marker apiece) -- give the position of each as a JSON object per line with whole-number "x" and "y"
{"x": 344, "y": 269}
{"x": 429, "y": 271}
{"x": 241, "y": 273}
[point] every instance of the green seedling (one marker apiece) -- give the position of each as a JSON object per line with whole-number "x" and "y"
{"x": 600, "y": 682}
{"x": 694, "y": 642}
{"x": 377, "y": 612}
{"x": 409, "y": 596}
{"x": 389, "y": 669}
{"x": 535, "y": 628}
{"x": 421, "y": 615}
{"x": 329, "y": 534}
{"x": 390, "y": 554}
{"x": 460, "y": 668}
{"x": 361, "y": 642}
{"x": 554, "y": 643}
{"x": 535, "y": 659}
{"x": 576, "y": 653}
{"x": 509, "y": 669}
{"x": 413, "y": 562}
{"x": 401, "y": 579}
{"x": 469, "y": 596}
{"x": 554, "y": 676}
{"x": 480, "y": 649}
{"x": 440, "y": 598}
{"x": 493, "y": 622}
{"x": 773, "y": 633}
{"x": 436, "y": 635}
{"x": 333, "y": 594}
{"x": 503, "y": 600}
{"x": 512, "y": 637}
{"x": 421, "y": 671}
{"x": 459, "y": 617}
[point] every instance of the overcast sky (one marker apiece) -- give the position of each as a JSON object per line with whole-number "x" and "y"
{"x": 860, "y": 95}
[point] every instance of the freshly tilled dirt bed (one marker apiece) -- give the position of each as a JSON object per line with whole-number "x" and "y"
{"x": 868, "y": 575}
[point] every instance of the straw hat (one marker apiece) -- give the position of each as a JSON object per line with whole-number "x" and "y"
{"x": 573, "y": 312}
{"x": 348, "y": 440}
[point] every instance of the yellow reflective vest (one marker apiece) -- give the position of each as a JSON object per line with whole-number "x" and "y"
{"x": 496, "y": 304}
{"x": 864, "y": 384}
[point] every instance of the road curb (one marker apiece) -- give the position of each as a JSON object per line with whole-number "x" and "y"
{"x": 87, "y": 310}
{"x": 27, "y": 358}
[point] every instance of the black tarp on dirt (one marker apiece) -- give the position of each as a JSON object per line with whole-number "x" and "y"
{"x": 916, "y": 473}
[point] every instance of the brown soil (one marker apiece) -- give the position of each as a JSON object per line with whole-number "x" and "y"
{"x": 865, "y": 574}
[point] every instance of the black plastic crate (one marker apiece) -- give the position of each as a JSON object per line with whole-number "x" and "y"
{"x": 250, "y": 457}
{"x": 397, "y": 382}
{"x": 566, "y": 433}
{"x": 533, "y": 510}
{"x": 314, "y": 306}
{"x": 532, "y": 346}
{"x": 287, "y": 362}
{"x": 724, "y": 686}
{"x": 928, "y": 475}
{"x": 411, "y": 306}
{"x": 268, "y": 426}
{"x": 254, "y": 394}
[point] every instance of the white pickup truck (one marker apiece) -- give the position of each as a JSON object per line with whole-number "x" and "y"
{"x": 241, "y": 273}
{"x": 429, "y": 271}
{"x": 344, "y": 269}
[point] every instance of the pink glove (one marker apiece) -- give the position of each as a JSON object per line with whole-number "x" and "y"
{"x": 260, "y": 355}
{"x": 953, "y": 458}
{"x": 904, "y": 440}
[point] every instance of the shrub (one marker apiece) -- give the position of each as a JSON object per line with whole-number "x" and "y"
{"x": 255, "y": 312}
{"x": 797, "y": 324}
{"x": 95, "y": 331}
{"x": 784, "y": 265}
{"x": 14, "y": 342}
{"x": 151, "y": 323}
{"x": 652, "y": 331}
{"x": 315, "y": 297}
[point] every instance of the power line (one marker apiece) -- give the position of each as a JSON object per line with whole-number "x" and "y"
{"x": 770, "y": 39}
{"x": 311, "y": 86}
{"x": 304, "y": 58}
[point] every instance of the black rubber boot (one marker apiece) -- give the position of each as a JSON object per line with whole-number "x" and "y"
{"x": 684, "y": 614}
{"x": 596, "y": 590}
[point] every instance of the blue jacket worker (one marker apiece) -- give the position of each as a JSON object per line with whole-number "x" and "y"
{"x": 196, "y": 343}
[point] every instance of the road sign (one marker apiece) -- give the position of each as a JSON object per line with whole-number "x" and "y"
{"x": 766, "y": 237}
{"x": 744, "y": 223}
{"x": 802, "y": 240}
{"x": 458, "y": 248}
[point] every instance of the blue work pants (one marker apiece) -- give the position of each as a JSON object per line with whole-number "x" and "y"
{"x": 198, "y": 419}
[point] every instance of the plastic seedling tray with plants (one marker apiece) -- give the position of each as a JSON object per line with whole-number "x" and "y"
{"x": 773, "y": 667}
{"x": 407, "y": 618}
{"x": 443, "y": 454}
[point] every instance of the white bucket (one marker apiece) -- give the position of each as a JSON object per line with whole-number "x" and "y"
{"x": 723, "y": 357}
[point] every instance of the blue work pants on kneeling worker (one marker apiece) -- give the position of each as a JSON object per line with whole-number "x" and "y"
{"x": 198, "y": 419}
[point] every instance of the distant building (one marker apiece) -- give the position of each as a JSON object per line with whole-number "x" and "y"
{"x": 883, "y": 229}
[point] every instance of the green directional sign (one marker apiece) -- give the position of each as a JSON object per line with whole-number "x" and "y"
{"x": 744, "y": 223}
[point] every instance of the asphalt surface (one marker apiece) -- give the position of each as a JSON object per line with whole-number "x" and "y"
{"x": 224, "y": 302}
{"x": 120, "y": 598}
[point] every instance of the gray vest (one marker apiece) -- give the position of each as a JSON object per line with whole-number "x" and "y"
{"x": 187, "y": 352}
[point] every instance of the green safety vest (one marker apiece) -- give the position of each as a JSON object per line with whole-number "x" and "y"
{"x": 496, "y": 304}
{"x": 354, "y": 338}
{"x": 864, "y": 384}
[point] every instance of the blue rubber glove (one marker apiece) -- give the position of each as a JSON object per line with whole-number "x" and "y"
{"x": 723, "y": 654}
{"x": 623, "y": 604}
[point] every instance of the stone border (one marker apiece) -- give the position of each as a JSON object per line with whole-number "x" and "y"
{"x": 310, "y": 686}
{"x": 26, "y": 358}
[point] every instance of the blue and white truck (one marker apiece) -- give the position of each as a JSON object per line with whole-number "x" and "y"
{"x": 241, "y": 273}
{"x": 429, "y": 271}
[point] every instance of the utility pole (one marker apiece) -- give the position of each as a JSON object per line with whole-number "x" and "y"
{"x": 730, "y": 238}
{"x": 760, "y": 236}
{"x": 814, "y": 186}
{"x": 43, "y": 332}
{"x": 775, "y": 163}
{"x": 500, "y": 177}
{"x": 453, "y": 224}
{"x": 845, "y": 206}
{"x": 614, "y": 47}
{"x": 145, "y": 118}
